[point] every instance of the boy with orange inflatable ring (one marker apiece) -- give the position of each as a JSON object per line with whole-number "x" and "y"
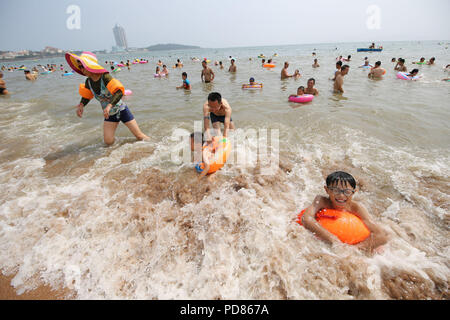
{"x": 344, "y": 220}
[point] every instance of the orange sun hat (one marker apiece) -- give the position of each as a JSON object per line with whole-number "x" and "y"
{"x": 87, "y": 59}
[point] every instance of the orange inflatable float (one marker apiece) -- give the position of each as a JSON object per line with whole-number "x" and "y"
{"x": 219, "y": 151}
{"x": 345, "y": 225}
{"x": 268, "y": 65}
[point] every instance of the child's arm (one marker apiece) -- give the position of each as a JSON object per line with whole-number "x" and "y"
{"x": 205, "y": 156}
{"x": 310, "y": 222}
{"x": 378, "y": 236}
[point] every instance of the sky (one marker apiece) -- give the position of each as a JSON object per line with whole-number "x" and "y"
{"x": 30, "y": 24}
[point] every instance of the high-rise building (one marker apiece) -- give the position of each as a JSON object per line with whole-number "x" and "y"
{"x": 119, "y": 35}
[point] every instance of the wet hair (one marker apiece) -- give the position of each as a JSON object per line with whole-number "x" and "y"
{"x": 164, "y": 66}
{"x": 378, "y": 63}
{"x": 220, "y": 62}
{"x": 184, "y": 74}
{"x": 197, "y": 136}
{"x": 312, "y": 80}
{"x": 414, "y": 71}
{"x": 349, "y": 57}
{"x": 339, "y": 63}
{"x": 340, "y": 177}
{"x": 263, "y": 60}
{"x": 345, "y": 66}
{"x": 252, "y": 79}
{"x": 301, "y": 88}
{"x": 433, "y": 59}
{"x": 215, "y": 96}
{"x": 26, "y": 71}
{"x": 233, "y": 60}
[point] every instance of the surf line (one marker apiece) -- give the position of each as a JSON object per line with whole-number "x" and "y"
{"x": 197, "y": 310}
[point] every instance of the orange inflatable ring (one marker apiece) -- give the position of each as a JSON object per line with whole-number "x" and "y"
{"x": 345, "y": 225}
{"x": 220, "y": 150}
{"x": 268, "y": 65}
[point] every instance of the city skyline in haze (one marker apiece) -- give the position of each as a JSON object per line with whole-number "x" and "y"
{"x": 87, "y": 25}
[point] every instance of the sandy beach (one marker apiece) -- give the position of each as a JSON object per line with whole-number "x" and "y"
{"x": 44, "y": 292}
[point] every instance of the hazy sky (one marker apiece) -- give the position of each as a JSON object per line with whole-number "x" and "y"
{"x": 30, "y": 24}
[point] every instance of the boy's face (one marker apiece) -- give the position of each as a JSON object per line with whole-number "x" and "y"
{"x": 184, "y": 77}
{"x": 299, "y": 92}
{"x": 340, "y": 194}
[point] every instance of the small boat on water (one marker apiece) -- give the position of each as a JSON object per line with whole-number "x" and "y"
{"x": 369, "y": 50}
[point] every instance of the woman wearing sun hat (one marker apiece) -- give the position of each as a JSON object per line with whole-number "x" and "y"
{"x": 108, "y": 91}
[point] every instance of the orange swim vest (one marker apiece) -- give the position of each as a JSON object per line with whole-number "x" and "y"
{"x": 348, "y": 227}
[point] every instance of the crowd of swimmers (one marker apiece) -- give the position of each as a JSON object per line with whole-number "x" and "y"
{"x": 340, "y": 186}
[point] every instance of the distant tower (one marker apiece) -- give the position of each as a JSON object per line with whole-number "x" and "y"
{"x": 119, "y": 35}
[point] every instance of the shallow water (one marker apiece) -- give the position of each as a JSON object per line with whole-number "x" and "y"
{"x": 128, "y": 222}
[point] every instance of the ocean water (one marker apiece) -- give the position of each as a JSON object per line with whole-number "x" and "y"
{"x": 130, "y": 221}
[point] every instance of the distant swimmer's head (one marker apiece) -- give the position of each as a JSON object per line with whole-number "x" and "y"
{"x": 112, "y": 68}
{"x": 157, "y": 69}
{"x": 432, "y": 59}
{"x": 339, "y": 64}
{"x": 349, "y": 57}
{"x": 232, "y": 61}
{"x": 378, "y": 63}
{"x": 286, "y": 64}
{"x": 214, "y": 101}
{"x": 340, "y": 187}
{"x": 263, "y": 60}
{"x": 301, "y": 91}
{"x": 315, "y": 60}
{"x": 184, "y": 75}
{"x": 311, "y": 82}
{"x": 422, "y": 59}
{"x": 345, "y": 69}
{"x": 393, "y": 60}
{"x": 204, "y": 63}
{"x": 414, "y": 72}
{"x": 252, "y": 80}
{"x": 220, "y": 62}
{"x": 196, "y": 140}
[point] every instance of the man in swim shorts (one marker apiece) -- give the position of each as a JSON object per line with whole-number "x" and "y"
{"x": 218, "y": 110}
{"x": 207, "y": 73}
{"x": 340, "y": 187}
{"x": 339, "y": 81}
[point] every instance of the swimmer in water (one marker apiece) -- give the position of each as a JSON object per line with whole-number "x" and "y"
{"x": 315, "y": 64}
{"x": 400, "y": 66}
{"x": 232, "y": 67}
{"x": 339, "y": 81}
{"x": 207, "y": 74}
{"x": 284, "y": 73}
{"x": 431, "y": 62}
{"x": 29, "y": 75}
{"x": 413, "y": 73}
{"x": 252, "y": 82}
{"x": 186, "y": 84}
{"x": 338, "y": 69}
{"x": 300, "y": 92}
{"x": 310, "y": 87}
{"x": 3, "y": 90}
{"x": 340, "y": 187}
{"x": 376, "y": 72}
{"x": 296, "y": 74}
{"x": 422, "y": 61}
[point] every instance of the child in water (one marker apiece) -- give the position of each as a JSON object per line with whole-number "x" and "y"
{"x": 340, "y": 187}
{"x": 186, "y": 84}
{"x": 300, "y": 92}
{"x": 201, "y": 152}
{"x": 3, "y": 90}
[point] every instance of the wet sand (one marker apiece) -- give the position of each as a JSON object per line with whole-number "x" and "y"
{"x": 44, "y": 292}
